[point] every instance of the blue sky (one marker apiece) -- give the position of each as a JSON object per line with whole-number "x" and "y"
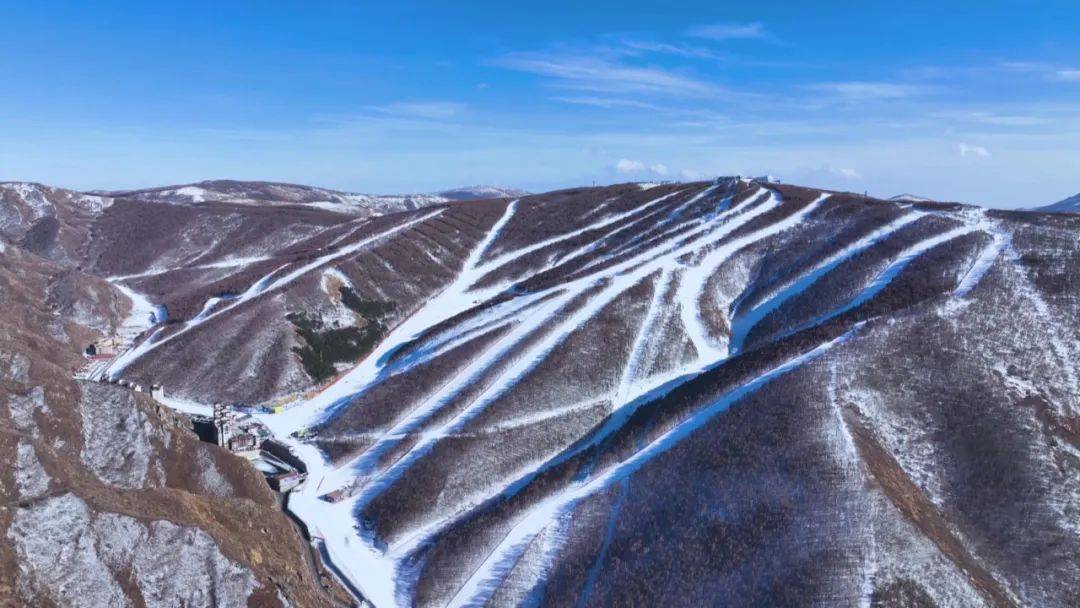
{"x": 967, "y": 101}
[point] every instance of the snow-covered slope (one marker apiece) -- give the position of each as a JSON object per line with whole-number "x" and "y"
{"x": 735, "y": 392}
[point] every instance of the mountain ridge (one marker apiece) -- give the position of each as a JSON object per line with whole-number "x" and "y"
{"x": 225, "y": 190}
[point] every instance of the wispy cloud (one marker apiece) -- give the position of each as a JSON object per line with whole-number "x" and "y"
{"x": 606, "y": 102}
{"x": 434, "y": 110}
{"x": 1048, "y": 71}
{"x": 637, "y": 46}
{"x": 594, "y": 73}
{"x": 845, "y": 172}
{"x": 680, "y": 50}
{"x": 868, "y": 90}
{"x": 1069, "y": 75}
{"x": 1006, "y": 120}
{"x": 970, "y": 150}
{"x": 731, "y": 31}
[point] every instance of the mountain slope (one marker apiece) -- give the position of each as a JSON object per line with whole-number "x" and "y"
{"x": 1069, "y": 205}
{"x": 691, "y": 394}
{"x": 51, "y": 222}
{"x": 109, "y": 499}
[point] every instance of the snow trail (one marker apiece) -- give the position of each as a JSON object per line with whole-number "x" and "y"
{"x": 883, "y": 278}
{"x": 366, "y": 463}
{"x": 511, "y": 256}
{"x": 454, "y": 299}
{"x": 695, "y": 277}
{"x": 637, "y": 351}
{"x": 745, "y": 322}
{"x": 266, "y": 285}
{"x": 478, "y": 589}
{"x": 987, "y": 257}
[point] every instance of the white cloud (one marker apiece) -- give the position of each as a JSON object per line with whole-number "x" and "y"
{"x": 605, "y": 102}
{"x": 845, "y": 172}
{"x": 970, "y": 150}
{"x": 866, "y": 90}
{"x": 625, "y": 165}
{"x": 1007, "y": 120}
{"x": 422, "y": 109}
{"x": 730, "y": 31}
{"x": 680, "y": 50}
{"x": 1048, "y": 71}
{"x": 591, "y": 73}
{"x": 691, "y": 174}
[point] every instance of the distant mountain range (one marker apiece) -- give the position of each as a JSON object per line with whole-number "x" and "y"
{"x": 1069, "y": 205}
{"x": 258, "y": 192}
{"x": 911, "y": 198}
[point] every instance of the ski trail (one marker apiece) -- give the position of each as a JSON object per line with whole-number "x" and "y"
{"x": 659, "y": 387}
{"x": 366, "y": 463}
{"x": 637, "y": 351}
{"x": 882, "y": 280}
{"x": 453, "y": 299}
{"x": 516, "y": 254}
{"x": 480, "y": 586}
{"x": 541, "y": 416}
{"x": 506, "y": 380}
{"x": 694, "y": 278}
{"x": 982, "y": 264}
{"x": 694, "y": 235}
{"x": 265, "y": 285}
{"x": 667, "y": 219}
{"x": 638, "y": 394}
{"x": 221, "y": 264}
{"x": 746, "y": 321}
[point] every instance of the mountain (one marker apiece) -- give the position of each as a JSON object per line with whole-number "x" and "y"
{"x": 50, "y": 222}
{"x": 715, "y": 393}
{"x": 472, "y": 193}
{"x": 271, "y": 193}
{"x": 1069, "y": 205}
{"x": 911, "y": 198}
